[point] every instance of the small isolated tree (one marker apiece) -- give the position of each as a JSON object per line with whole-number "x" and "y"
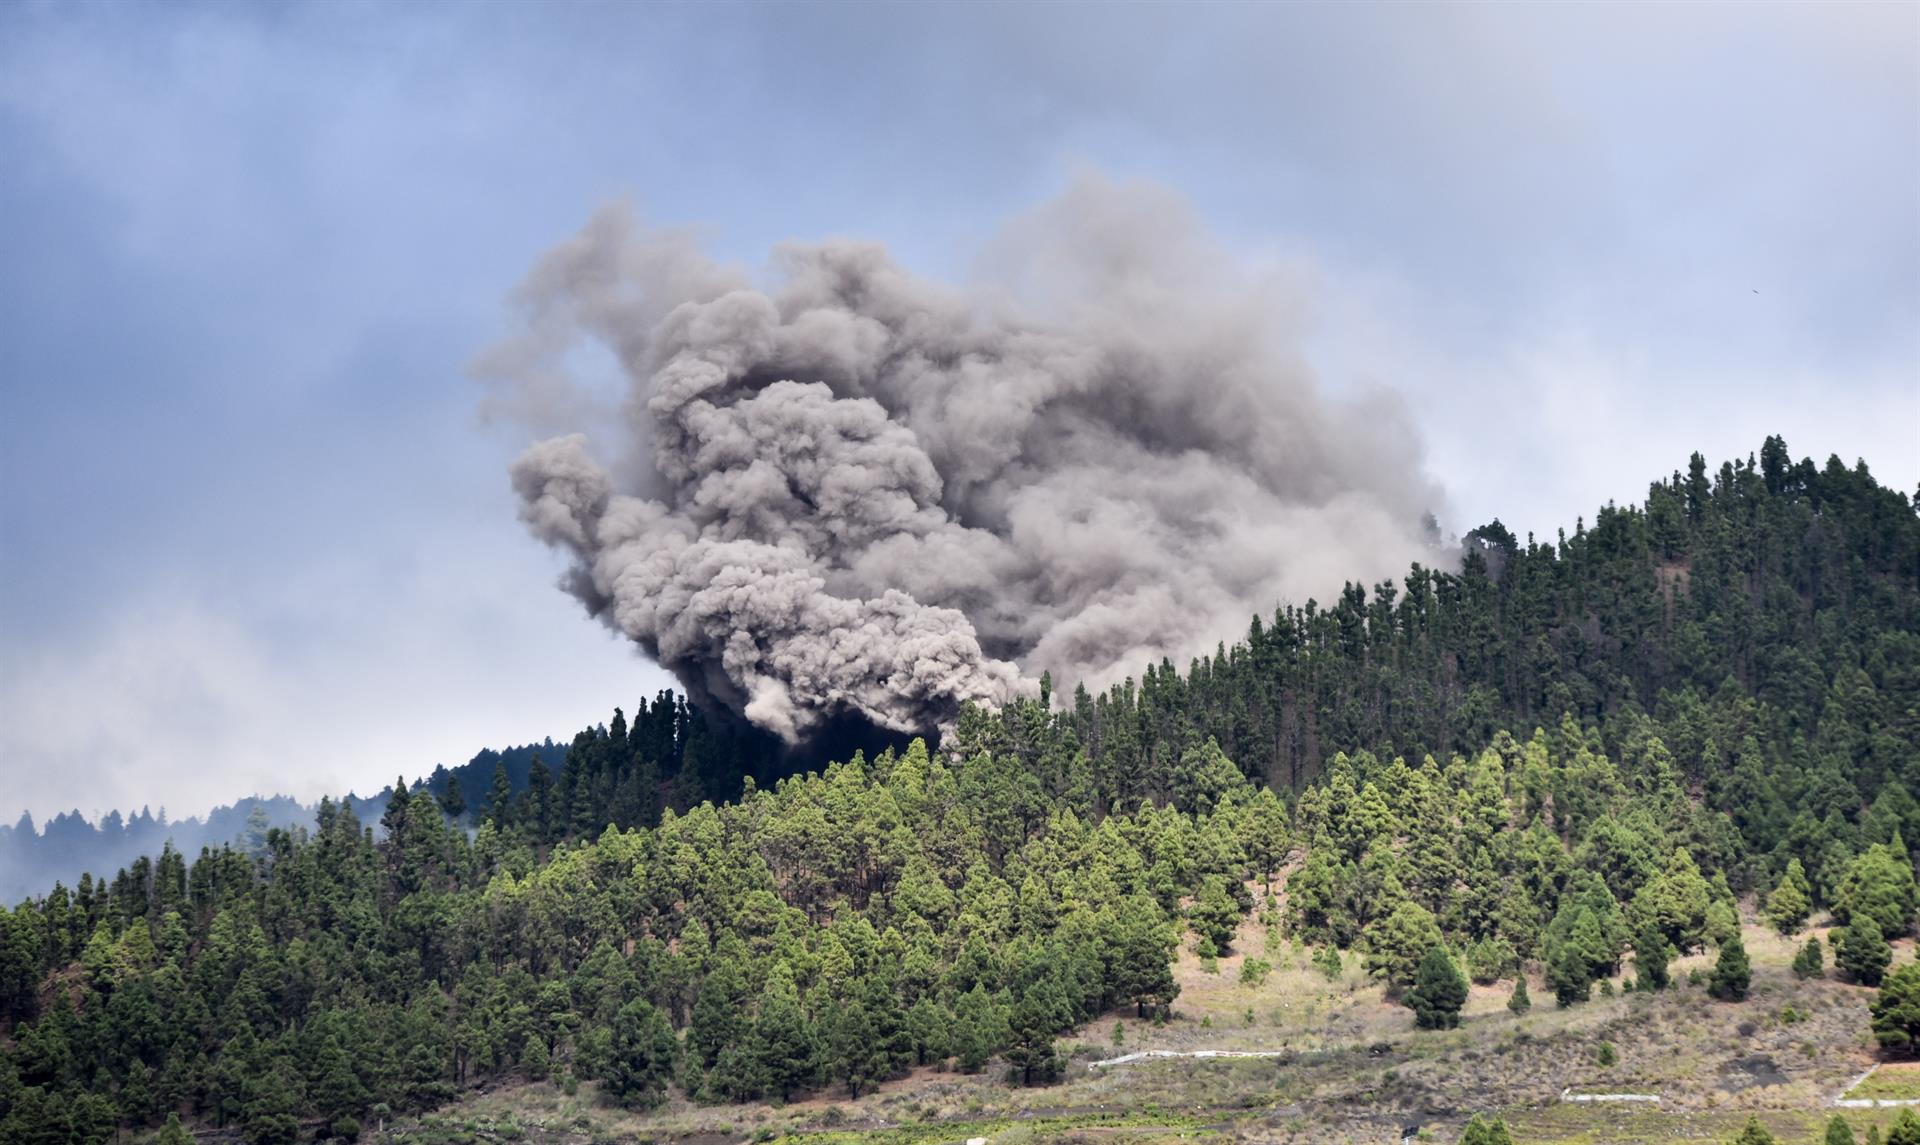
{"x": 1732, "y": 973}
{"x": 1439, "y": 991}
{"x": 1209, "y": 954}
{"x": 1480, "y": 1132}
{"x": 1650, "y": 954}
{"x": 1905, "y": 1129}
{"x": 1519, "y": 1003}
{"x": 1327, "y": 961}
{"x": 1839, "y": 1132}
{"x": 1896, "y": 1011}
{"x": 1862, "y": 952}
{"x": 1568, "y": 974}
{"x": 1791, "y": 901}
{"x": 173, "y": 1133}
{"x": 1811, "y": 962}
{"x": 1754, "y": 1134}
{"x": 1254, "y": 971}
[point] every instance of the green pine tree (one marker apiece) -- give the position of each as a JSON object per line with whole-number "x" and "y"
{"x": 1439, "y": 991}
{"x": 1905, "y": 1129}
{"x": 1811, "y": 960}
{"x": 1791, "y": 900}
{"x": 1896, "y": 1011}
{"x": 642, "y": 1056}
{"x": 1732, "y": 973}
{"x": 1570, "y": 976}
{"x": 1861, "y": 952}
{"x": 1650, "y": 957}
{"x": 1519, "y": 1002}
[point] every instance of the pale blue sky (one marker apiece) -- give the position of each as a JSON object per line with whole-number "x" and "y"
{"x": 253, "y": 536}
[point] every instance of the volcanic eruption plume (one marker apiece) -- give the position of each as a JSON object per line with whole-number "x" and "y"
{"x": 847, "y": 491}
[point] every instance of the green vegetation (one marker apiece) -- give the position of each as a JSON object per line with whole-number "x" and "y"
{"x": 1811, "y": 962}
{"x": 1480, "y": 1132}
{"x": 1896, "y": 1011}
{"x": 1900, "y": 1082}
{"x": 1715, "y": 693}
{"x": 1732, "y": 973}
{"x": 1861, "y": 953}
{"x": 1438, "y": 993}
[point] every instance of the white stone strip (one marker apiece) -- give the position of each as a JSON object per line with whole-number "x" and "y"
{"x": 1143, "y": 1055}
{"x": 1845, "y": 1102}
{"x": 1567, "y": 1094}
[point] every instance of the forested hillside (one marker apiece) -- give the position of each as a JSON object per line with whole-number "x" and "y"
{"x": 1571, "y": 754}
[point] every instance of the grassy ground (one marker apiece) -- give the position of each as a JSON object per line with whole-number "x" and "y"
{"x": 1895, "y": 1081}
{"x": 1354, "y": 1070}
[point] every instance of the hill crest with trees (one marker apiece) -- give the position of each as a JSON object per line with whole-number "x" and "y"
{"x": 1568, "y": 754}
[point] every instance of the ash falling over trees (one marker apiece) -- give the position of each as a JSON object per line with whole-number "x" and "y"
{"x": 848, "y": 491}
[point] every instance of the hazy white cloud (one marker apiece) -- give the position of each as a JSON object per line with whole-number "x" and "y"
{"x": 338, "y": 678}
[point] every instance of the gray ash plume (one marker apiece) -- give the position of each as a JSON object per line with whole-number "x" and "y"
{"x": 845, "y": 491}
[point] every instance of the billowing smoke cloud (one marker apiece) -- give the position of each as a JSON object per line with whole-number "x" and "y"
{"x": 853, "y": 491}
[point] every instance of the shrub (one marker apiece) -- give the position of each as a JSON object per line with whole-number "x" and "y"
{"x": 1480, "y": 1132}
{"x": 1811, "y": 962}
{"x": 1519, "y": 1003}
